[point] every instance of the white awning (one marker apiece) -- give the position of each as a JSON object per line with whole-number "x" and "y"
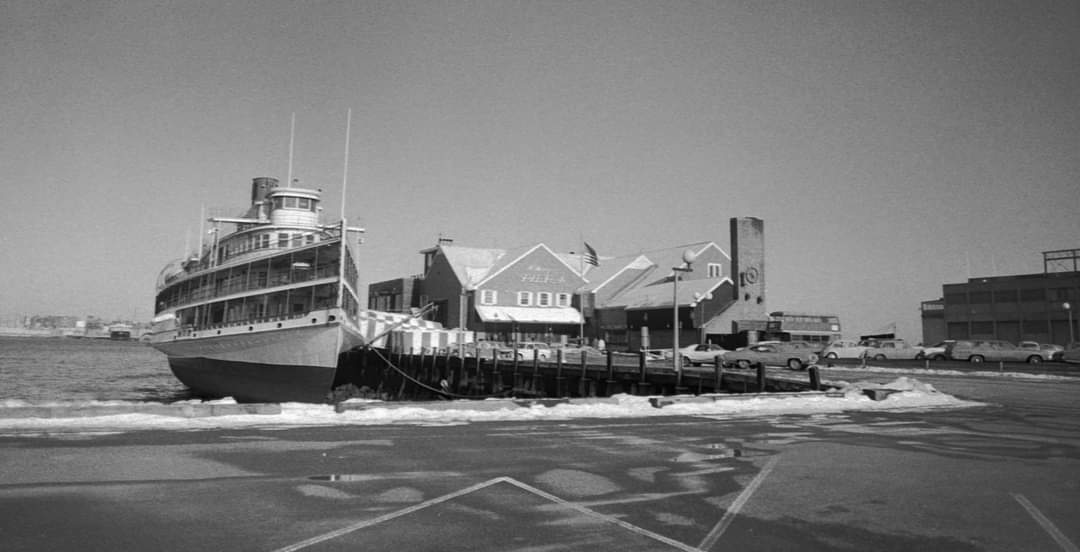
{"x": 526, "y": 315}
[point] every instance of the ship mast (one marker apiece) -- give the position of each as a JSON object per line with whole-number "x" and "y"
{"x": 342, "y": 289}
{"x": 292, "y": 132}
{"x": 345, "y": 171}
{"x": 344, "y": 258}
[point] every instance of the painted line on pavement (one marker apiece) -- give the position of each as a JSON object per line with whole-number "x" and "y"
{"x": 1047, "y": 525}
{"x": 385, "y": 517}
{"x": 740, "y": 501}
{"x": 524, "y": 486}
{"x": 628, "y": 526}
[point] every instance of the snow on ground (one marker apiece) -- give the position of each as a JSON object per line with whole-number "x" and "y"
{"x": 933, "y": 372}
{"x": 910, "y": 394}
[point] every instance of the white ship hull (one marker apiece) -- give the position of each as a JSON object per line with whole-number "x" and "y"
{"x": 293, "y": 360}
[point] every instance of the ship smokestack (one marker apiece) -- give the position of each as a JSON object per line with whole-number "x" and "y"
{"x": 261, "y": 186}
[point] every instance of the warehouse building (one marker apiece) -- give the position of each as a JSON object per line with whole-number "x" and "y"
{"x": 1025, "y": 307}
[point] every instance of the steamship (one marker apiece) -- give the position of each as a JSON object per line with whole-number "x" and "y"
{"x": 262, "y": 312}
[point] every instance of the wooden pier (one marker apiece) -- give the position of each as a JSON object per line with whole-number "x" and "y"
{"x": 375, "y": 373}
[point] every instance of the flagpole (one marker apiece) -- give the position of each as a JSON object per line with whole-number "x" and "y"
{"x": 581, "y": 299}
{"x": 292, "y": 132}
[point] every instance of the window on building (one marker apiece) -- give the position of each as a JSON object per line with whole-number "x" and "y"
{"x": 716, "y": 270}
{"x": 524, "y": 298}
{"x": 979, "y": 297}
{"x": 489, "y": 297}
{"x": 543, "y": 299}
{"x": 956, "y": 298}
{"x": 562, "y": 300}
{"x": 1060, "y": 294}
{"x": 1032, "y": 295}
{"x": 957, "y": 330}
{"x": 1005, "y": 296}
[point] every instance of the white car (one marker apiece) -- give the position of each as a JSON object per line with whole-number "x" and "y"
{"x": 891, "y": 349}
{"x": 844, "y": 348}
{"x": 1047, "y": 350}
{"x": 1072, "y": 353}
{"x": 937, "y": 350}
{"x": 526, "y": 350}
{"x": 696, "y": 355}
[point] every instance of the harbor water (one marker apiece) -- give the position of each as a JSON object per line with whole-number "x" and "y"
{"x": 69, "y": 370}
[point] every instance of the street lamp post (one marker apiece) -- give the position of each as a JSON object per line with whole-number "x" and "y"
{"x": 1068, "y": 309}
{"x": 699, "y": 304}
{"x": 688, "y": 258}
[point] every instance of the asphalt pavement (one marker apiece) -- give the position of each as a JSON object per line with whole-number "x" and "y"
{"x": 1000, "y": 477}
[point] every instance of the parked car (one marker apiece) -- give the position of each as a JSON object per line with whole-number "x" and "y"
{"x": 937, "y": 350}
{"x": 1049, "y": 351}
{"x": 696, "y": 355}
{"x": 993, "y": 350}
{"x": 770, "y": 354}
{"x": 525, "y": 350}
{"x": 816, "y": 347}
{"x": 1072, "y": 353}
{"x": 894, "y": 349}
{"x": 844, "y": 348}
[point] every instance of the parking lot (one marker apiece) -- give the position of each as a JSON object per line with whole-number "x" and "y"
{"x": 1000, "y": 477}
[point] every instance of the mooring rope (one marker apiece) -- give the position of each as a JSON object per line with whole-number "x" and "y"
{"x": 442, "y": 392}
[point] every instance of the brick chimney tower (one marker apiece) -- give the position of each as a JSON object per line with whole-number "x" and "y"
{"x": 748, "y": 269}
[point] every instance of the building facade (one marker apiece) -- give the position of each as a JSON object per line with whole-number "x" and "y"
{"x": 644, "y": 315}
{"x": 523, "y": 294}
{"x": 397, "y": 295}
{"x": 1025, "y": 307}
{"x": 630, "y": 302}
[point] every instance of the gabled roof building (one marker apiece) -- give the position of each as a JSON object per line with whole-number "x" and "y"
{"x": 533, "y": 293}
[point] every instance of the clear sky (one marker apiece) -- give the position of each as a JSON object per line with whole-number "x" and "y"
{"x": 890, "y": 147}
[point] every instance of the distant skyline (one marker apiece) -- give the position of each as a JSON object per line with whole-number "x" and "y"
{"x": 890, "y": 147}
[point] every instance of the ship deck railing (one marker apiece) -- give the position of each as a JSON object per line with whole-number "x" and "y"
{"x": 188, "y": 330}
{"x": 285, "y": 279}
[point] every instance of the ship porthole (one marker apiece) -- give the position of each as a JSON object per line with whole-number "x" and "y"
{"x": 331, "y": 318}
{"x": 219, "y": 332}
{"x": 314, "y": 320}
{"x": 251, "y": 328}
{"x": 279, "y": 324}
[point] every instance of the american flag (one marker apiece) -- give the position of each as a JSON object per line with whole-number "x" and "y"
{"x": 590, "y": 256}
